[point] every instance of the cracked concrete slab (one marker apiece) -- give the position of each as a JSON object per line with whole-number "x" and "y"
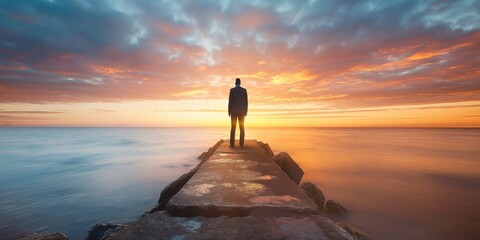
{"x": 237, "y": 181}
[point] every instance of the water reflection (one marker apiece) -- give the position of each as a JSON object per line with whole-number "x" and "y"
{"x": 398, "y": 183}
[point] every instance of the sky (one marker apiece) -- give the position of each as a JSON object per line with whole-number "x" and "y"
{"x": 323, "y": 63}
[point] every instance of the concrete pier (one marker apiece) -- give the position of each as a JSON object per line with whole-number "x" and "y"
{"x": 235, "y": 182}
{"x": 237, "y": 193}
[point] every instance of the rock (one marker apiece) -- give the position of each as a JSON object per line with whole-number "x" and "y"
{"x": 312, "y": 191}
{"x": 103, "y": 231}
{"x": 354, "y": 232}
{"x": 266, "y": 148}
{"x": 218, "y": 144}
{"x": 290, "y": 167}
{"x": 335, "y": 208}
{"x": 203, "y": 156}
{"x": 169, "y": 191}
{"x": 44, "y": 236}
{"x": 211, "y": 151}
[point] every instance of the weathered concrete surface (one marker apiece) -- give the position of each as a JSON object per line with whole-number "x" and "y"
{"x": 160, "y": 225}
{"x": 237, "y": 181}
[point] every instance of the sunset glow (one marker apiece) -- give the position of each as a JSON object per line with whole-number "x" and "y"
{"x": 304, "y": 63}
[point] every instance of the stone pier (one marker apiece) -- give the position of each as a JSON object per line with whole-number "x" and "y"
{"x": 234, "y": 193}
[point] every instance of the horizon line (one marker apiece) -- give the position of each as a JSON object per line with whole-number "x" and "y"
{"x": 356, "y": 127}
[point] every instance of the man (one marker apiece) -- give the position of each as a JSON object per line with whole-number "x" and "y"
{"x": 237, "y": 110}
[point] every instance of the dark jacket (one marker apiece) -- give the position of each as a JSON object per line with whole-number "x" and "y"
{"x": 238, "y": 101}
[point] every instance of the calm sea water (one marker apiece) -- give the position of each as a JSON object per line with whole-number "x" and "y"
{"x": 397, "y": 183}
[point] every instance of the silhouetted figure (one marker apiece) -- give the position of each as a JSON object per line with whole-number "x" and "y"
{"x": 237, "y": 109}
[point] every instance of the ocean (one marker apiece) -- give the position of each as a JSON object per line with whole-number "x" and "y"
{"x": 397, "y": 183}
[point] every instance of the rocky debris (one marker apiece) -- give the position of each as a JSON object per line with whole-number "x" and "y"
{"x": 312, "y": 191}
{"x": 44, "y": 236}
{"x": 171, "y": 189}
{"x": 205, "y": 155}
{"x": 102, "y": 231}
{"x": 354, "y": 232}
{"x": 217, "y": 144}
{"x": 289, "y": 166}
{"x": 266, "y": 148}
{"x": 334, "y": 208}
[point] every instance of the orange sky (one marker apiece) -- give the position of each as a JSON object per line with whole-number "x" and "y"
{"x": 304, "y": 63}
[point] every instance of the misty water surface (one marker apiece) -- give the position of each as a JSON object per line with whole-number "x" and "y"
{"x": 397, "y": 183}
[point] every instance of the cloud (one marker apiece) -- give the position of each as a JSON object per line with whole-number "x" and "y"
{"x": 303, "y": 112}
{"x": 19, "y": 118}
{"x": 339, "y": 53}
{"x": 317, "y": 117}
{"x": 194, "y": 92}
{"x": 31, "y": 112}
{"x": 99, "y": 110}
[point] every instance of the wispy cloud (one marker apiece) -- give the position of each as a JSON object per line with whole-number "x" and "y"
{"x": 316, "y": 117}
{"x": 300, "y": 112}
{"x": 31, "y": 112}
{"x": 194, "y": 92}
{"x": 20, "y": 118}
{"x": 99, "y": 110}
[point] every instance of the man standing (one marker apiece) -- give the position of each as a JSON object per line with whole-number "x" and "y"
{"x": 237, "y": 109}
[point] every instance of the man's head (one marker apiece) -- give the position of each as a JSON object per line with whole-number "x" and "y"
{"x": 237, "y": 81}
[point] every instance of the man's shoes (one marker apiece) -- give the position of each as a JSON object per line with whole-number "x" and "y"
{"x": 231, "y": 146}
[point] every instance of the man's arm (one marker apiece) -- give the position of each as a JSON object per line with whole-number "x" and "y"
{"x": 246, "y": 102}
{"x": 230, "y": 102}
